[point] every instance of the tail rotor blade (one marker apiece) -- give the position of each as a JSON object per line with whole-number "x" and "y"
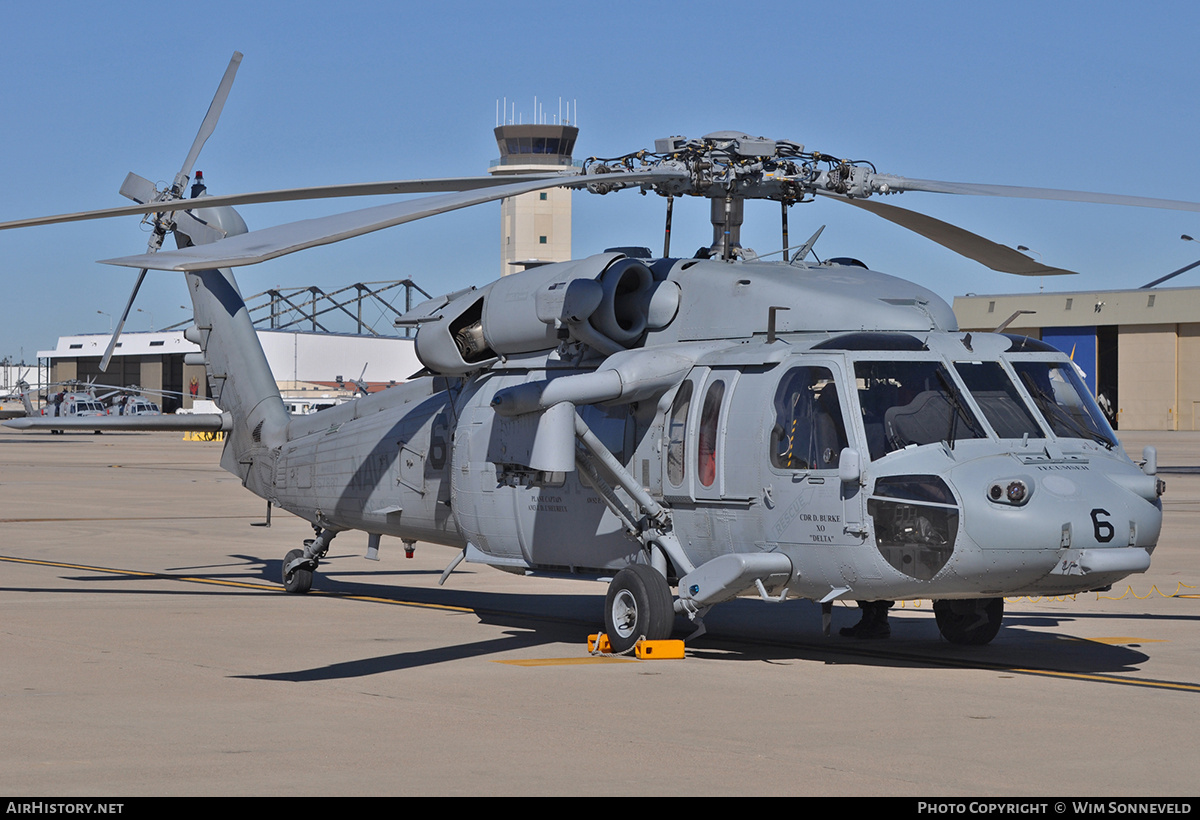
{"x": 210, "y": 119}
{"x": 112, "y": 343}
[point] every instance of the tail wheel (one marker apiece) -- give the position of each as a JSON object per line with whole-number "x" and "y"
{"x": 638, "y": 605}
{"x": 972, "y": 622}
{"x": 298, "y": 580}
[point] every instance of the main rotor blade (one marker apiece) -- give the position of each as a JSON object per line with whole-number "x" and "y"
{"x": 214, "y": 114}
{"x": 961, "y": 241}
{"x": 898, "y": 184}
{"x": 112, "y": 343}
{"x": 270, "y": 243}
{"x": 407, "y": 186}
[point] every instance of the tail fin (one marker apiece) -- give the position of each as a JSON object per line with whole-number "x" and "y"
{"x": 242, "y": 382}
{"x": 24, "y": 387}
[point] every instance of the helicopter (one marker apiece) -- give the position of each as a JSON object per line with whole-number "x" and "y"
{"x": 75, "y": 401}
{"x": 687, "y": 429}
{"x": 14, "y": 400}
{"x": 78, "y": 405}
{"x": 123, "y": 408}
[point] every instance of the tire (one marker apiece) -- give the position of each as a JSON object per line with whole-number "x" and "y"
{"x": 973, "y": 622}
{"x": 299, "y": 580}
{"x": 638, "y": 605}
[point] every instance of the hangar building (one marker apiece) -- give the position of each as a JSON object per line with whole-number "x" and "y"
{"x": 1140, "y": 349}
{"x": 303, "y": 362}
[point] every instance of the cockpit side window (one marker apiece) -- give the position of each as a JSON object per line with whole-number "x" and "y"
{"x": 997, "y": 397}
{"x": 911, "y": 402}
{"x": 1064, "y": 401}
{"x": 809, "y": 433}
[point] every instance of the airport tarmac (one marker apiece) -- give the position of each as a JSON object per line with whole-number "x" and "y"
{"x": 146, "y": 648}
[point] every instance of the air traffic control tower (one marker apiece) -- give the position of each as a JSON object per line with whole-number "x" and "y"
{"x": 535, "y": 226}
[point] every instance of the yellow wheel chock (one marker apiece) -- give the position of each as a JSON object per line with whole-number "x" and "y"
{"x": 642, "y": 650}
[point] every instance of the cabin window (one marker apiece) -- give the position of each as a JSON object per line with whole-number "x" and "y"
{"x": 911, "y": 402}
{"x": 809, "y": 433}
{"x": 676, "y": 426}
{"x": 706, "y": 448}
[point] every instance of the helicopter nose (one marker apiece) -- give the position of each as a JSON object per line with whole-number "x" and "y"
{"x": 1077, "y": 507}
{"x": 1094, "y": 520}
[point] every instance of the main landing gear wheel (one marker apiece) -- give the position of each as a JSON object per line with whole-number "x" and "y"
{"x": 972, "y": 622}
{"x": 298, "y": 580}
{"x": 638, "y": 605}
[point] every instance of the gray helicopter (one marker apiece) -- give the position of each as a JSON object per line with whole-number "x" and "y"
{"x": 718, "y": 425}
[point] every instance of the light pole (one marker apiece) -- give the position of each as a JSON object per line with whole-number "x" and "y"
{"x": 1173, "y": 274}
{"x": 109, "y": 315}
{"x": 1025, "y": 249}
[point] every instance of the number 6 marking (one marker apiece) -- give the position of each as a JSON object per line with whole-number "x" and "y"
{"x": 1103, "y": 530}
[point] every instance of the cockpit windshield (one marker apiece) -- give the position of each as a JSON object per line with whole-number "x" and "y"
{"x": 1064, "y": 401}
{"x": 911, "y": 402}
{"x": 999, "y": 400}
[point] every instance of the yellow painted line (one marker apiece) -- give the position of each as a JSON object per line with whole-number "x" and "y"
{"x": 374, "y": 600}
{"x": 225, "y": 583}
{"x": 216, "y": 582}
{"x": 75, "y": 566}
{"x": 1186, "y": 687}
{"x": 138, "y": 573}
{"x": 567, "y": 661}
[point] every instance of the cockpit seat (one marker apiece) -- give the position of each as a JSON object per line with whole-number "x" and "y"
{"x": 923, "y": 420}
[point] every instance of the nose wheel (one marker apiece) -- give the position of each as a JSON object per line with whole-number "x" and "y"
{"x": 973, "y": 622}
{"x": 638, "y": 605}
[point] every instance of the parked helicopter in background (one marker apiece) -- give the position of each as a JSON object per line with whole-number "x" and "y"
{"x": 14, "y": 401}
{"x": 79, "y": 399}
{"x": 75, "y": 400}
{"x": 719, "y": 425}
{"x": 78, "y": 407}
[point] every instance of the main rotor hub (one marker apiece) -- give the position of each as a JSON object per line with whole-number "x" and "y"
{"x": 732, "y": 164}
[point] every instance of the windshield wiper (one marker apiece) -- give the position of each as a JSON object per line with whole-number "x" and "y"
{"x": 955, "y": 402}
{"x": 1046, "y": 402}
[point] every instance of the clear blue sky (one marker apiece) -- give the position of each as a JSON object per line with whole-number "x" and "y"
{"x": 1097, "y": 96}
